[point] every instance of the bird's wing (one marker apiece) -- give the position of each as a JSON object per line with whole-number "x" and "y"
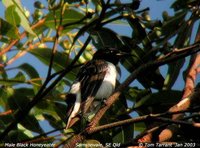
{"x": 91, "y": 76}
{"x": 85, "y": 87}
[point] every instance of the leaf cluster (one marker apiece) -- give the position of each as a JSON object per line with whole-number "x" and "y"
{"x": 63, "y": 35}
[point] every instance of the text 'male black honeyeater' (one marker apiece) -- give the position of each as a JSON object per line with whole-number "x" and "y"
{"x": 96, "y": 80}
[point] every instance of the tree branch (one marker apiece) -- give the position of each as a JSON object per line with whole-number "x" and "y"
{"x": 58, "y": 30}
{"x": 8, "y": 112}
{"x": 7, "y": 48}
{"x": 21, "y": 114}
{"x": 142, "y": 137}
{"x": 189, "y": 85}
{"x": 143, "y": 118}
{"x": 166, "y": 59}
{"x": 181, "y": 54}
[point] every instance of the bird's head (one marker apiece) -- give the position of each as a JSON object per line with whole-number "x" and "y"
{"x": 112, "y": 55}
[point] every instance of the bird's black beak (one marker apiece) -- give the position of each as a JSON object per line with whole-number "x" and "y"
{"x": 123, "y": 54}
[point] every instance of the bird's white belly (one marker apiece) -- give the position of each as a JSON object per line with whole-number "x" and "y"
{"x": 108, "y": 84}
{"x": 105, "y": 90}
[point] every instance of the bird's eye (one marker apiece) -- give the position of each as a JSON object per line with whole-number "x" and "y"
{"x": 111, "y": 51}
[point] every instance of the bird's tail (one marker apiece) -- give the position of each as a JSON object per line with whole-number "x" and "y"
{"x": 74, "y": 102}
{"x": 74, "y": 110}
{"x": 77, "y": 106}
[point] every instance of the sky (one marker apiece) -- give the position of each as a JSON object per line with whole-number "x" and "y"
{"x": 156, "y": 9}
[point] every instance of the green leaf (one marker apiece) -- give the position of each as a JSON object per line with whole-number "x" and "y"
{"x": 53, "y": 121}
{"x": 40, "y": 30}
{"x": 106, "y": 38}
{"x": 33, "y": 75}
{"x": 123, "y": 134}
{"x": 173, "y": 23}
{"x": 134, "y": 94}
{"x": 72, "y": 1}
{"x": 44, "y": 54}
{"x": 32, "y": 124}
{"x": 119, "y": 106}
{"x": 173, "y": 73}
{"x": 132, "y": 62}
{"x": 8, "y": 29}
{"x": 30, "y": 71}
{"x": 26, "y": 131}
{"x": 12, "y": 16}
{"x": 163, "y": 99}
{"x": 60, "y": 108}
{"x": 179, "y": 4}
{"x": 69, "y": 16}
{"x": 149, "y": 78}
{"x": 61, "y": 60}
{"x": 18, "y": 79}
{"x": 15, "y": 136}
{"x": 45, "y": 107}
{"x": 5, "y": 120}
{"x": 138, "y": 31}
{"x": 5, "y": 93}
{"x": 20, "y": 98}
{"x": 139, "y": 127}
{"x": 24, "y": 22}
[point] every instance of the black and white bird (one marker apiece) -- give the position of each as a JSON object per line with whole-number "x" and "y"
{"x": 96, "y": 80}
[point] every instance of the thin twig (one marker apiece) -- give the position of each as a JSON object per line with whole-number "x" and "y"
{"x": 112, "y": 20}
{"x": 150, "y": 131}
{"x": 8, "y": 112}
{"x": 7, "y": 48}
{"x": 54, "y": 45}
{"x": 138, "y": 119}
{"x": 191, "y": 50}
{"x": 21, "y": 114}
{"x": 40, "y": 136}
{"x": 21, "y": 53}
{"x": 189, "y": 85}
